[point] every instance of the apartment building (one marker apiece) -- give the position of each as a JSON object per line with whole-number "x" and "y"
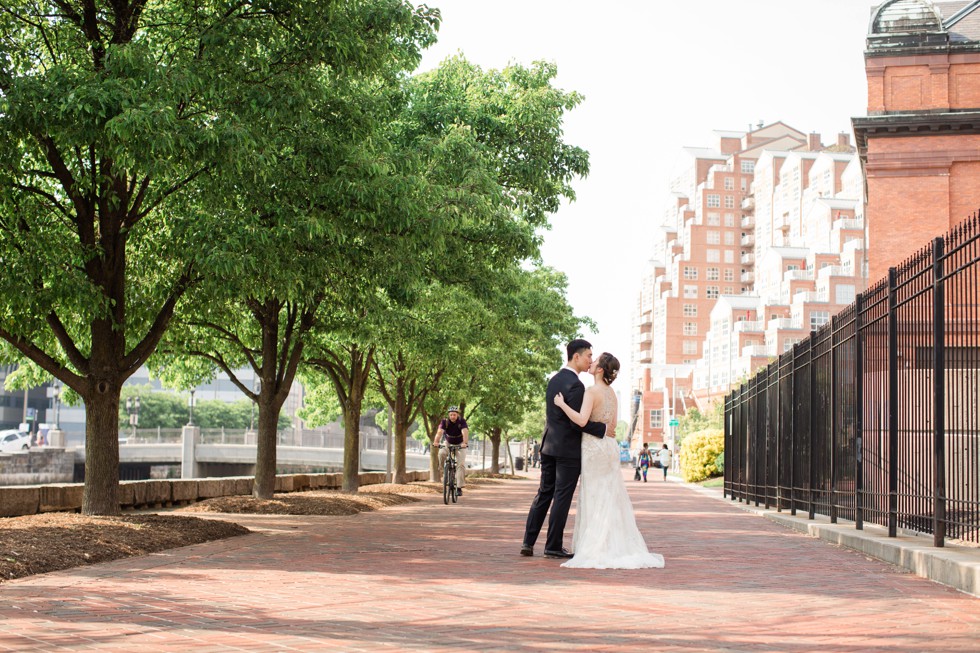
{"x": 806, "y": 258}
{"x": 698, "y": 258}
{"x": 762, "y": 244}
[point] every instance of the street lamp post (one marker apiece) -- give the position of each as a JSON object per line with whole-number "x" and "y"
{"x": 133, "y": 410}
{"x": 57, "y": 403}
{"x": 190, "y": 410}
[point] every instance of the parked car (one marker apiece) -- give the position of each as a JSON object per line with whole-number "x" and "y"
{"x": 13, "y": 440}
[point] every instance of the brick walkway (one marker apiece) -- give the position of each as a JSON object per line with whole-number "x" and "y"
{"x": 427, "y": 577}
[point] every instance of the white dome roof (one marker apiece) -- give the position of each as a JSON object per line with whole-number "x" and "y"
{"x": 906, "y": 16}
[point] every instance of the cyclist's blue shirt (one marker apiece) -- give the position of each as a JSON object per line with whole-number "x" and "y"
{"x": 453, "y": 430}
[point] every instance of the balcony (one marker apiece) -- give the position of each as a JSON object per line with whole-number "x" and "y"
{"x": 748, "y": 276}
{"x": 748, "y": 204}
{"x": 748, "y": 222}
{"x": 756, "y": 351}
{"x": 781, "y": 323}
{"x": 809, "y": 297}
{"x": 849, "y": 224}
{"x": 798, "y": 275}
{"x": 748, "y": 240}
{"x": 748, "y": 258}
{"x": 833, "y": 271}
{"x": 747, "y": 326}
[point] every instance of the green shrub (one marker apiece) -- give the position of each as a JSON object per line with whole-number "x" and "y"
{"x": 702, "y": 455}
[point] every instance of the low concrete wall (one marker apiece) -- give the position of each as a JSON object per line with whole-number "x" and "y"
{"x": 32, "y": 499}
{"x": 37, "y": 467}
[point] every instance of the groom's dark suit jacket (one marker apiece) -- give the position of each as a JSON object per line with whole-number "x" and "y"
{"x": 562, "y": 437}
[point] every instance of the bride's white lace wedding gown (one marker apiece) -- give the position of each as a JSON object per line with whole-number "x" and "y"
{"x": 606, "y": 536}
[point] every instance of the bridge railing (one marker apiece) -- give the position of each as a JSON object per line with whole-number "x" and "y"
{"x": 286, "y": 437}
{"x": 875, "y": 416}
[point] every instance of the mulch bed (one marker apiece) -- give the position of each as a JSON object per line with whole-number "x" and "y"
{"x": 316, "y": 502}
{"x": 489, "y": 477}
{"x": 37, "y": 544}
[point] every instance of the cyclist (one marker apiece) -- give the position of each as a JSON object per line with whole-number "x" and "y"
{"x": 458, "y": 433}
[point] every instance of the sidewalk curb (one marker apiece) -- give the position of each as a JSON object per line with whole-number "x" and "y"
{"x": 952, "y": 565}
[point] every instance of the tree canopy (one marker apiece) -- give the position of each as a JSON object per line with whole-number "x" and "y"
{"x": 114, "y": 119}
{"x": 266, "y": 186}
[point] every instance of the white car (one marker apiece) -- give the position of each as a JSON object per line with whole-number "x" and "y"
{"x": 14, "y": 440}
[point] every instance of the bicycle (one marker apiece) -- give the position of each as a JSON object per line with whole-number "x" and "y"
{"x": 449, "y": 487}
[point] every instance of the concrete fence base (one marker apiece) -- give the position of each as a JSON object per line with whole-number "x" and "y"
{"x": 32, "y": 499}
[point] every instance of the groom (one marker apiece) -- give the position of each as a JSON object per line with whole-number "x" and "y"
{"x": 561, "y": 454}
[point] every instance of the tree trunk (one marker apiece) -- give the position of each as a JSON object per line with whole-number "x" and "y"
{"x": 401, "y": 457}
{"x": 352, "y": 446}
{"x": 431, "y": 425}
{"x": 434, "y": 471}
{"x": 400, "y": 416}
{"x": 360, "y": 371}
{"x": 101, "y": 494}
{"x": 495, "y": 441}
{"x": 266, "y": 444}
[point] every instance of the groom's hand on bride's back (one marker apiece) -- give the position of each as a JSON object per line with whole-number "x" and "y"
{"x": 610, "y": 431}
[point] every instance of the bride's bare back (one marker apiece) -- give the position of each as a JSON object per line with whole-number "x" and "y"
{"x": 604, "y": 404}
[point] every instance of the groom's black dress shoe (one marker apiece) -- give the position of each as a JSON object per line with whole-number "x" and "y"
{"x": 527, "y": 550}
{"x": 564, "y": 553}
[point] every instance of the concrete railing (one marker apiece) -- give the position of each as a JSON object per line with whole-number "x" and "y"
{"x": 61, "y": 497}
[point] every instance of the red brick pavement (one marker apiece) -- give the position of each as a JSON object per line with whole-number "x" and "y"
{"x": 429, "y": 577}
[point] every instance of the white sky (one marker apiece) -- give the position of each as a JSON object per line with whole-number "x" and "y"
{"x": 657, "y": 76}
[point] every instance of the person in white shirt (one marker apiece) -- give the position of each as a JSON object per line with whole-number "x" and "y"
{"x": 666, "y": 457}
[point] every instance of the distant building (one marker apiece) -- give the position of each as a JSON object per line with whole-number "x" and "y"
{"x": 762, "y": 239}
{"x": 12, "y": 403}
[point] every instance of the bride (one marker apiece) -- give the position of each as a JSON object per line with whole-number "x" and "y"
{"x": 606, "y": 536}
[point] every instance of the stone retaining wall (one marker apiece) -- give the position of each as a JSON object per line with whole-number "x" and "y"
{"x": 37, "y": 467}
{"x": 32, "y": 499}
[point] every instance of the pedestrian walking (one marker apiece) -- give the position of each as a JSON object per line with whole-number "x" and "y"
{"x": 666, "y": 458}
{"x": 644, "y": 460}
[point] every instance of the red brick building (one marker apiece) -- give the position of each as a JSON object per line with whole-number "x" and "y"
{"x": 920, "y": 142}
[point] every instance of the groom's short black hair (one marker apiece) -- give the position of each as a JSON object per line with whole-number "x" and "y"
{"x": 577, "y": 345}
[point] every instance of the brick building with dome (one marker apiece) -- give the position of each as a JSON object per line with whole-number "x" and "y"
{"x": 920, "y": 142}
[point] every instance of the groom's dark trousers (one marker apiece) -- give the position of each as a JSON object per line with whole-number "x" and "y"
{"x": 561, "y": 461}
{"x": 558, "y": 479}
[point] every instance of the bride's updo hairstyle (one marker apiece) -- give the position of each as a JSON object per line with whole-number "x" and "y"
{"x": 609, "y": 365}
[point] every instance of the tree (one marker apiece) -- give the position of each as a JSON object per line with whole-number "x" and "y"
{"x": 416, "y": 347}
{"x": 507, "y": 124}
{"x": 694, "y": 420}
{"x": 404, "y": 389}
{"x": 114, "y": 119}
{"x": 302, "y": 235}
{"x": 503, "y": 370}
{"x": 168, "y": 410}
{"x": 157, "y": 409}
{"x": 348, "y": 366}
{"x": 483, "y": 156}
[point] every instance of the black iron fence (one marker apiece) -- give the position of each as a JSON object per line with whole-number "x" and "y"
{"x": 876, "y": 416}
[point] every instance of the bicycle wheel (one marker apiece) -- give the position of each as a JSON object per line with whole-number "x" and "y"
{"x": 446, "y": 484}
{"x": 453, "y": 493}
